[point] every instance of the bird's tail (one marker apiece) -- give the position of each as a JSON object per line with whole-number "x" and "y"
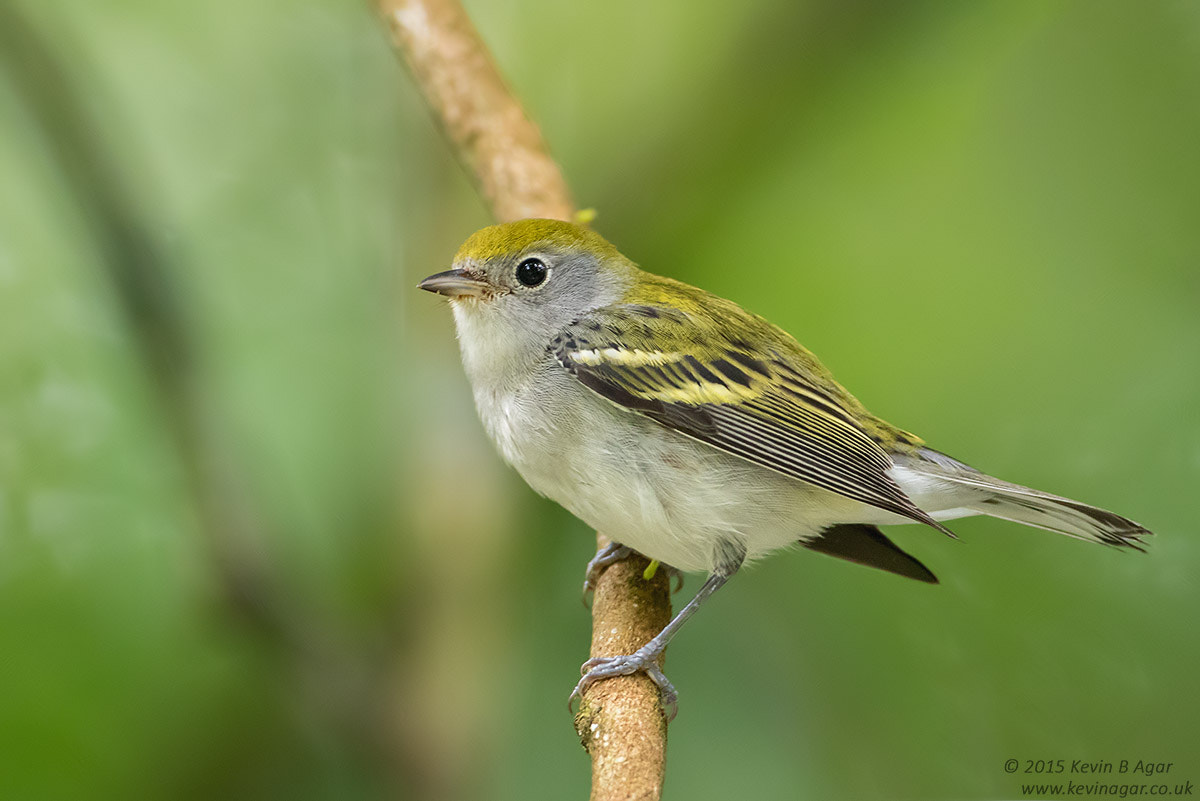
{"x": 988, "y": 495}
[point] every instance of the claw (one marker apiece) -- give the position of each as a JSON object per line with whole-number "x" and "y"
{"x": 677, "y": 574}
{"x": 673, "y": 573}
{"x": 641, "y": 661}
{"x": 610, "y": 554}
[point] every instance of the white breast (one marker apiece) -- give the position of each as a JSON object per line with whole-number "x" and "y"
{"x": 638, "y": 482}
{"x": 644, "y": 485}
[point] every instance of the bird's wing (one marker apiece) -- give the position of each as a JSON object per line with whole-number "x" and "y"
{"x": 768, "y": 407}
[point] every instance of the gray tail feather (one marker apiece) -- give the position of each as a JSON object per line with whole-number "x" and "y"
{"x": 1019, "y": 504}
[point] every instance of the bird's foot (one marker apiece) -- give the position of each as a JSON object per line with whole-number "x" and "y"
{"x": 674, "y": 574}
{"x": 640, "y": 661}
{"x": 610, "y": 554}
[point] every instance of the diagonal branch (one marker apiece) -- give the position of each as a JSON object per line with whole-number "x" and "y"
{"x": 500, "y": 147}
{"x": 620, "y": 721}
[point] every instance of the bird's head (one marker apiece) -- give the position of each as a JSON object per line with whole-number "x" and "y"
{"x": 522, "y": 282}
{"x": 531, "y": 262}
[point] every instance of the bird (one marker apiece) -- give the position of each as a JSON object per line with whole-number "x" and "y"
{"x": 694, "y": 432}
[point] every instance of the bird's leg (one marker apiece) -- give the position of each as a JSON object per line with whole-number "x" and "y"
{"x": 645, "y": 659}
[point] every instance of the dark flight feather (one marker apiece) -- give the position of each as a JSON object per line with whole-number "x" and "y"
{"x": 866, "y": 545}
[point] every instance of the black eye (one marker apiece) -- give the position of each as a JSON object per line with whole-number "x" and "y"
{"x": 531, "y": 272}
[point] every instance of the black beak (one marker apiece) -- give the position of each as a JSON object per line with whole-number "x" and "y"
{"x": 456, "y": 284}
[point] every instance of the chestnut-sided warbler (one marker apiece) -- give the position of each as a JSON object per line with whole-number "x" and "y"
{"x": 685, "y": 428}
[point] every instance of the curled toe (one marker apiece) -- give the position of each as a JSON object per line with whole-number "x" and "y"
{"x": 606, "y": 667}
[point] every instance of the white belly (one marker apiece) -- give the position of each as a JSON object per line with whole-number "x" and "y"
{"x": 651, "y": 488}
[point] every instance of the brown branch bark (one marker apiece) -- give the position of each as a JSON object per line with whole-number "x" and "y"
{"x": 620, "y": 721}
{"x": 499, "y": 145}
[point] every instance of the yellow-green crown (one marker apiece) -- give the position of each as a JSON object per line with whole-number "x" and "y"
{"x": 497, "y": 241}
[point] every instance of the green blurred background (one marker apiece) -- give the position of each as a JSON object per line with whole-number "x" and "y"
{"x": 985, "y": 217}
